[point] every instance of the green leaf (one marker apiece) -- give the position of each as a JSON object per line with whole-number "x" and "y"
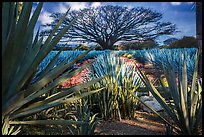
{"x": 50, "y": 65}
{"x": 32, "y": 96}
{"x": 55, "y": 28}
{"x": 36, "y": 37}
{"x": 52, "y": 104}
{"x": 64, "y": 93}
{"x": 54, "y": 73}
{"x": 47, "y": 122}
{"x": 8, "y": 19}
{"x": 8, "y": 30}
{"x": 184, "y": 79}
{"x": 158, "y": 97}
{"x": 193, "y": 95}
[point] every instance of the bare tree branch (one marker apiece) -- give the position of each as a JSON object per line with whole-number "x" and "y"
{"x": 106, "y": 25}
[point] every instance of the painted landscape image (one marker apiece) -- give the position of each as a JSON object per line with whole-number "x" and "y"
{"x": 102, "y": 68}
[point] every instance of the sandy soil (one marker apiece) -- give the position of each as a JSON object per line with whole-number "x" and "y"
{"x": 144, "y": 124}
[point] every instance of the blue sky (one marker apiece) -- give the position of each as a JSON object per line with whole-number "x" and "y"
{"x": 179, "y": 13}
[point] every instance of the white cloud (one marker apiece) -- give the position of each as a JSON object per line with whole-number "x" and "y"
{"x": 45, "y": 18}
{"x": 62, "y": 8}
{"x": 44, "y": 38}
{"x": 77, "y": 5}
{"x": 95, "y": 4}
{"x": 46, "y": 28}
{"x": 190, "y": 2}
{"x": 175, "y": 3}
{"x": 130, "y": 6}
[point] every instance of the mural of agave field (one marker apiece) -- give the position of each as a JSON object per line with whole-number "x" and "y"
{"x": 135, "y": 87}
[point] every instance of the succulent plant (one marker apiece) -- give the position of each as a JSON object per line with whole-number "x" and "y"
{"x": 21, "y": 56}
{"x": 185, "y": 108}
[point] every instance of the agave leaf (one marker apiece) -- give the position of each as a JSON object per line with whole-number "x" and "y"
{"x": 57, "y": 38}
{"x": 55, "y": 28}
{"x": 36, "y": 37}
{"x": 8, "y": 42}
{"x": 184, "y": 79}
{"x": 197, "y": 112}
{"x": 17, "y": 131}
{"x": 20, "y": 45}
{"x": 63, "y": 94}
{"x": 50, "y": 65}
{"x": 171, "y": 79}
{"x": 158, "y": 97}
{"x": 34, "y": 18}
{"x": 40, "y": 56}
{"x": 33, "y": 67}
{"x": 10, "y": 130}
{"x": 24, "y": 16}
{"x": 17, "y": 84}
{"x": 184, "y": 116}
{"x": 36, "y": 49}
{"x": 193, "y": 95}
{"x": 5, "y": 127}
{"x": 183, "y": 95}
{"x": 53, "y": 104}
{"x": 8, "y": 10}
{"x": 15, "y": 98}
{"x": 31, "y": 25}
{"x": 19, "y": 48}
{"x": 163, "y": 86}
{"x": 39, "y": 93}
{"x": 165, "y": 120}
{"x": 55, "y": 72}
{"x": 30, "y": 30}
{"x": 47, "y": 122}
{"x": 198, "y": 117}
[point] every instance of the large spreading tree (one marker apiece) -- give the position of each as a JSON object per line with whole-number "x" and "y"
{"x": 106, "y": 25}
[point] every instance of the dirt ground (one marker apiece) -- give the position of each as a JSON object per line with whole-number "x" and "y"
{"x": 144, "y": 124}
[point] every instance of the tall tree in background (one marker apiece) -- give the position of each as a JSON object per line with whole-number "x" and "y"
{"x": 106, "y": 25}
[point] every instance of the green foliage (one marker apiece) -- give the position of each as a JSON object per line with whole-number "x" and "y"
{"x": 186, "y": 108}
{"x": 20, "y": 6}
{"x": 136, "y": 45}
{"x": 185, "y": 42}
{"x": 21, "y": 55}
{"x": 127, "y": 55}
{"x": 7, "y": 129}
{"x": 83, "y": 47}
{"x": 170, "y": 41}
{"x": 82, "y": 112}
{"x": 121, "y": 81}
{"x": 160, "y": 57}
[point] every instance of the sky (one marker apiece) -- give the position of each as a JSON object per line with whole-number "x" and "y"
{"x": 180, "y": 13}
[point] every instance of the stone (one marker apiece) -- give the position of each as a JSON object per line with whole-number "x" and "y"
{"x": 152, "y": 102}
{"x": 146, "y": 98}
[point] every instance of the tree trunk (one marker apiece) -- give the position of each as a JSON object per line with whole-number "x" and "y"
{"x": 106, "y": 45}
{"x": 199, "y": 34}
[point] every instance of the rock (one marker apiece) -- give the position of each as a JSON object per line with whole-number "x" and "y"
{"x": 146, "y": 98}
{"x": 152, "y": 102}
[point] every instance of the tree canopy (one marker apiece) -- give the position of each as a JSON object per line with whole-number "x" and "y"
{"x": 170, "y": 41}
{"x": 185, "y": 42}
{"x": 108, "y": 24}
{"x": 136, "y": 45}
